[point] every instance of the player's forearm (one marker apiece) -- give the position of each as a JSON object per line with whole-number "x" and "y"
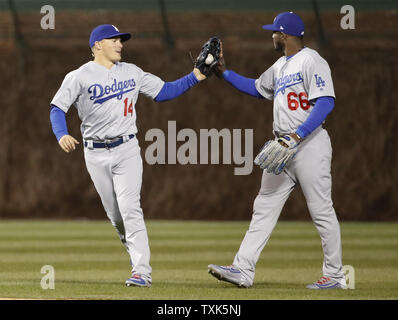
{"x": 171, "y": 90}
{"x": 243, "y": 84}
{"x": 323, "y": 106}
{"x": 58, "y": 122}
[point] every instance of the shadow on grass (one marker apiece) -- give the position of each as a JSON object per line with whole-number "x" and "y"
{"x": 228, "y": 286}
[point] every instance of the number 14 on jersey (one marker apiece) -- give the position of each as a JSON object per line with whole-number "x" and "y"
{"x": 128, "y": 108}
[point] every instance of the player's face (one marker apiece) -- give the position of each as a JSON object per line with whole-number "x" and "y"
{"x": 112, "y": 49}
{"x": 277, "y": 38}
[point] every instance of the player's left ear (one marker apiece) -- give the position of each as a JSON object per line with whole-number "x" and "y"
{"x": 98, "y": 45}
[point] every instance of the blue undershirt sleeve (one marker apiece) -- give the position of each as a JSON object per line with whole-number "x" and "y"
{"x": 58, "y": 122}
{"x": 171, "y": 90}
{"x": 243, "y": 84}
{"x": 323, "y": 106}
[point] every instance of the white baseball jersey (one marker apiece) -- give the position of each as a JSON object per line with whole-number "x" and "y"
{"x": 292, "y": 84}
{"x": 106, "y": 98}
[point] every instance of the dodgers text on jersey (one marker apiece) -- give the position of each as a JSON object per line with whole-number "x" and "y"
{"x": 117, "y": 89}
{"x": 286, "y": 81}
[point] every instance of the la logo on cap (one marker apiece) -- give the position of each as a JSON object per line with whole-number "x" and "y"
{"x": 116, "y": 28}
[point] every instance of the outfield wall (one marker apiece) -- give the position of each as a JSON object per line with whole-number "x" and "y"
{"x": 38, "y": 180}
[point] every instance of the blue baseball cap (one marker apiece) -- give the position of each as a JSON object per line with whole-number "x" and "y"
{"x": 107, "y": 31}
{"x": 287, "y": 22}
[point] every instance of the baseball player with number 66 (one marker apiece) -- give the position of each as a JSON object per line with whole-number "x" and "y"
{"x": 301, "y": 87}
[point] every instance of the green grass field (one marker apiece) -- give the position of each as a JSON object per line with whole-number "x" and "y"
{"x": 91, "y": 263}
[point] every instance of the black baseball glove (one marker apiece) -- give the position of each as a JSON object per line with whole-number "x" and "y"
{"x": 208, "y": 56}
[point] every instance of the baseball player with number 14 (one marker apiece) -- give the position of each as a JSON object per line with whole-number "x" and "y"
{"x": 105, "y": 92}
{"x": 301, "y": 87}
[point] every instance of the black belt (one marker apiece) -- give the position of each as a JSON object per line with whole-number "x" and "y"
{"x": 108, "y": 144}
{"x": 281, "y": 134}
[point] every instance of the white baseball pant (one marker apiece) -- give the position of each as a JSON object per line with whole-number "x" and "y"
{"x": 311, "y": 170}
{"x": 117, "y": 177}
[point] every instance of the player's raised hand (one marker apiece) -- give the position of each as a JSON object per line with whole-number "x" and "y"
{"x": 199, "y": 75}
{"x": 221, "y": 66}
{"x": 207, "y": 59}
{"x": 68, "y": 143}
